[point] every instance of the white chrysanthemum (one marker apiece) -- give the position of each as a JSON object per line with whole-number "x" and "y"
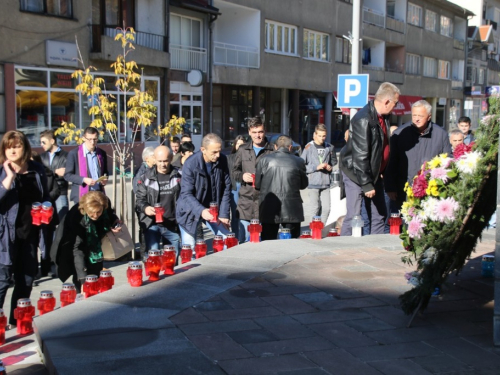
{"x": 468, "y": 162}
{"x": 445, "y": 160}
{"x": 429, "y": 207}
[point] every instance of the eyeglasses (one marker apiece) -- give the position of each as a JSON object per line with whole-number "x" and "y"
{"x": 395, "y": 103}
{"x": 94, "y": 140}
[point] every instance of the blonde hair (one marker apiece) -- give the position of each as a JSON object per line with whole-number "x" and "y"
{"x": 92, "y": 201}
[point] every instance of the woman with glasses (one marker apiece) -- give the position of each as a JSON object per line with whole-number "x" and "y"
{"x": 22, "y": 183}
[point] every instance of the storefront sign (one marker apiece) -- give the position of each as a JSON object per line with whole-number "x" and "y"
{"x": 61, "y": 53}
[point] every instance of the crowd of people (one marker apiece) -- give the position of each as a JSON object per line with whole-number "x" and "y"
{"x": 177, "y": 188}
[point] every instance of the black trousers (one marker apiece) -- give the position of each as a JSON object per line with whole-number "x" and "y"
{"x": 270, "y": 230}
{"x": 23, "y": 269}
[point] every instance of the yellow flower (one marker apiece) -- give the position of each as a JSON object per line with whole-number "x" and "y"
{"x": 432, "y": 188}
{"x": 435, "y": 163}
{"x": 409, "y": 191}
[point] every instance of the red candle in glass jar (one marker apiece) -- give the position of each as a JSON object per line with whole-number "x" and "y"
{"x": 153, "y": 265}
{"x": 231, "y": 240}
{"x": 316, "y": 226}
{"x": 186, "y": 254}
{"x": 47, "y": 302}
{"x": 168, "y": 259}
{"x": 46, "y": 212}
{"x": 24, "y": 314}
{"x": 200, "y": 249}
{"x": 159, "y": 211}
{"x": 255, "y": 229}
{"x": 253, "y": 180}
{"x": 218, "y": 243}
{"x": 36, "y": 213}
{"x": 395, "y": 222}
{"x": 3, "y": 325}
{"x": 333, "y": 232}
{"x": 214, "y": 210}
{"x": 306, "y": 234}
{"x": 90, "y": 286}
{"x": 134, "y": 274}
{"x": 68, "y": 294}
{"x": 106, "y": 281}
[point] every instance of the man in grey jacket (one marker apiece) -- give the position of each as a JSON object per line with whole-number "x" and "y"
{"x": 320, "y": 158}
{"x": 412, "y": 144}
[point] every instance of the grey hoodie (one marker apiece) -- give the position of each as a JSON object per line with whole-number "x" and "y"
{"x": 318, "y": 179}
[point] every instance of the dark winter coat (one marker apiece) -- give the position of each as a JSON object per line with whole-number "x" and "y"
{"x": 194, "y": 187}
{"x": 9, "y": 206}
{"x": 245, "y": 162}
{"x": 361, "y": 157}
{"x": 69, "y": 249}
{"x": 280, "y": 176}
{"x": 59, "y": 161}
{"x": 148, "y": 193}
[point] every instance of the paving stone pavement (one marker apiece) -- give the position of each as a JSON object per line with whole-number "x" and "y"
{"x": 328, "y": 307}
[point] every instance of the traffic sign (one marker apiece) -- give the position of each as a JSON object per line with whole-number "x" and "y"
{"x": 352, "y": 90}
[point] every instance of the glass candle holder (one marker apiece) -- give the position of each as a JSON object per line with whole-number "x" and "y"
{"x": 255, "y": 229}
{"x": 153, "y": 265}
{"x": 68, "y": 294}
{"x": 231, "y": 240}
{"x": 47, "y": 302}
{"x": 168, "y": 259}
{"x": 218, "y": 243}
{"x": 316, "y": 227}
{"x": 24, "y": 314}
{"x": 200, "y": 249}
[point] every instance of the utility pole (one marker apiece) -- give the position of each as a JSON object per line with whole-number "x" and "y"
{"x": 355, "y": 39}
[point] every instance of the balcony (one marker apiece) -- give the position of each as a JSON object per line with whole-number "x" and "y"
{"x": 147, "y": 40}
{"x": 458, "y": 44}
{"x": 395, "y": 24}
{"x": 394, "y": 77}
{"x": 188, "y": 58}
{"x": 373, "y": 17}
{"x": 457, "y": 85}
{"x": 233, "y": 55}
{"x": 376, "y": 73}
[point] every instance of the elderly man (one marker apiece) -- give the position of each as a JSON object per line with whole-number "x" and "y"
{"x": 148, "y": 160}
{"x": 364, "y": 158}
{"x": 280, "y": 176}
{"x": 456, "y": 138}
{"x": 159, "y": 185}
{"x": 85, "y": 165}
{"x": 205, "y": 179}
{"x": 412, "y": 144}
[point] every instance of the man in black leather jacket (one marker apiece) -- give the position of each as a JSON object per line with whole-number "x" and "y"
{"x": 364, "y": 158}
{"x": 280, "y": 176}
{"x": 54, "y": 158}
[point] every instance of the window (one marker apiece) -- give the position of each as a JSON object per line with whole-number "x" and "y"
{"x": 187, "y": 102}
{"x": 281, "y": 38}
{"x": 430, "y": 67}
{"x": 414, "y": 14}
{"x": 412, "y": 64}
{"x": 61, "y": 8}
{"x": 471, "y": 74}
{"x": 446, "y": 26}
{"x": 430, "y": 20}
{"x": 316, "y": 46}
{"x": 444, "y": 69}
{"x": 343, "y": 50}
{"x": 481, "y": 76}
{"x": 185, "y": 31}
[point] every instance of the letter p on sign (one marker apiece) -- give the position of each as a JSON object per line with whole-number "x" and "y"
{"x": 352, "y": 90}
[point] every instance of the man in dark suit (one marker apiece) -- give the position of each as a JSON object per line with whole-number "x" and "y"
{"x": 54, "y": 158}
{"x": 85, "y": 165}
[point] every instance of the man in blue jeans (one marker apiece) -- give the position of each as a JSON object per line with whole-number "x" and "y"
{"x": 205, "y": 179}
{"x": 159, "y": 185}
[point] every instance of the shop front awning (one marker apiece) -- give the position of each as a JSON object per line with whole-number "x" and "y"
{"x": 403, "y": 107}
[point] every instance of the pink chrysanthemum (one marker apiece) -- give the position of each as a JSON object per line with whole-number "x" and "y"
{"x": 415, "y": 227}
{"x": 445, "y": 209}
{"x": 439, "y": 173}
{"x": 419, "y": 186}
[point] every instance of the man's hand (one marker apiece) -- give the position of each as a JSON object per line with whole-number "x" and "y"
{"x": 60, "y": 172}
{"x": 247, "y": 177}
{"x": 206, "y": 215}
{"x": 370, "y": 194}
{"x": 328, "y": 167}
{"x": 321, "y": 166}
{"x": 225, "y": 222}
{"x": 150, "y": 211}
{"x": 88, "y": 181}
{"x": 104, "y": 181}
{"x": 393, "y": 195}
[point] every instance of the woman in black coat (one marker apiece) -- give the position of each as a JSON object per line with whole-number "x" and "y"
{"x": 77, "y": 246}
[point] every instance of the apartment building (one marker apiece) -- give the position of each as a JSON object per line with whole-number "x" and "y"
{"x": 218, "y": 62}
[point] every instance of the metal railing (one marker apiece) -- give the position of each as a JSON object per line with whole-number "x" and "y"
{"x": 458, "y": 44}
{"x": 147, "y": 40}
{"x": 374, "y": 17}
{"x": 234, "y": 55}
{"x": 188, "y": 58}
{"x": 395, "y": 24}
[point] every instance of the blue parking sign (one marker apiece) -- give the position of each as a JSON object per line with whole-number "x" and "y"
{"x": 352, "y": 90}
